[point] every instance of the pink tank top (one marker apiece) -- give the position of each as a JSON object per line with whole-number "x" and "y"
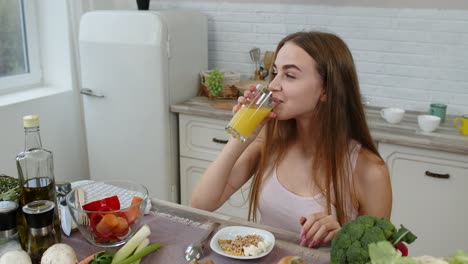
{"x": 281, "y": 208}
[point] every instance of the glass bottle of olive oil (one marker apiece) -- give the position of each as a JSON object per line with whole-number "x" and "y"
{"x": 36, "y": 174}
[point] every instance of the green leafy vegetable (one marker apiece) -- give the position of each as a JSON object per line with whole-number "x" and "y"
{"x": 383, "y": 252}
{"x": 102, "y": 258}
{"x": 215, "y": 82}
{"x": 350, "y": 244}
{"x": 403, "y": 235}
{"x": 9, "y": 188}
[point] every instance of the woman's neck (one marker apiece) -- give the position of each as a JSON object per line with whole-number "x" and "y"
{"x": 306, "y": 136}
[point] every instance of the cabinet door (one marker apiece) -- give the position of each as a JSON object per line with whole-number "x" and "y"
{"x": 429, "y": 197}
{"x": 191, "y": 171}
{"x": 200, "y": 137}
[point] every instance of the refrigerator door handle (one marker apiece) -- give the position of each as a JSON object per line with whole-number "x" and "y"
{"x": 90, "y": 92}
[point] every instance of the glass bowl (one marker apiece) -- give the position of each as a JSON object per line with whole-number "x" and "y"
{"x": 108, "y": 213}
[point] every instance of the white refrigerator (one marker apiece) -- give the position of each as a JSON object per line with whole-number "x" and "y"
{"x": 134, "y": 65}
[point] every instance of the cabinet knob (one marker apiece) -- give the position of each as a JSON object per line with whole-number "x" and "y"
{"x": 221, "y": 141}
{"x": 437, "y": 175}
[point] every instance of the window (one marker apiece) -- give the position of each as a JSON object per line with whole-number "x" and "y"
{"x": 19, "y": 50}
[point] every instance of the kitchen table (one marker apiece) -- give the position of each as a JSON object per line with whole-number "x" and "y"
{"x": 176, "y": 226}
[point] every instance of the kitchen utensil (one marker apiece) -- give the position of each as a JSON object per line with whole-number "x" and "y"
{"x": 255, "y": 56}
{"x": 79, "y": 202}
{"x": 110, "y": 212}
{"x": 65, "y": 217}
{"x": 195, "y": 250}
{"x": 268, "y": 59}
{"x": 265, "y": 69}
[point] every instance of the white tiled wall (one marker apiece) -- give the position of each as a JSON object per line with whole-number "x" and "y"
{"x": 405, "y": 57}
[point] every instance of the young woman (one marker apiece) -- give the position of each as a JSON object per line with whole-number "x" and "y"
{"x": 313, "y": 162}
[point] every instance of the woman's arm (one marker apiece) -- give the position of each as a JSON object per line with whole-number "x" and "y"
{"x": 372, "y": 186}
{"x": 231, "y": 169}
{"x": 372, "y": 190}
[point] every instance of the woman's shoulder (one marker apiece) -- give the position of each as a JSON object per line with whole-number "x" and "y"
{"x": 370, "y": 167}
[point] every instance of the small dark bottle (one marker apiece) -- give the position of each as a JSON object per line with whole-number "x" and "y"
{"x": 8, "y": 234}
{"x": 41, "y": 233}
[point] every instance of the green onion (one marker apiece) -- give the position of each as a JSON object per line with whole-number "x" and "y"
{"x": 138, "y": 255}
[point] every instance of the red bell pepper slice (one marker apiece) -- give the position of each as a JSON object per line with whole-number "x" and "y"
{"x": 107, "y": 204}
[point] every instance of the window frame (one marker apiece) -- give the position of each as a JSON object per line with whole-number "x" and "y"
{"x": 34, "y": 76}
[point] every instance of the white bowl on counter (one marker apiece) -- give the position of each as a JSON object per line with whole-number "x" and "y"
{"x": 428, "y": 123}
{"x": 392, "y": 115}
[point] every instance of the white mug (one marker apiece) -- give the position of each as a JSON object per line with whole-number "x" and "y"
{"x": 428, "y": 123}
{"x": 392, "y": 115}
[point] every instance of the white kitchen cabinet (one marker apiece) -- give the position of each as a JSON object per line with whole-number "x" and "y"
{"x": 200, "y": 141}
{"x": 430, "y": 197}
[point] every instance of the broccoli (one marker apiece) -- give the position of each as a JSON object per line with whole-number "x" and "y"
{"x": 350, "y": 244}
{"x": 9, "y": 188}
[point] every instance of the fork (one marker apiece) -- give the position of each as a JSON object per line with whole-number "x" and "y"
{"x": 79, "y": 202}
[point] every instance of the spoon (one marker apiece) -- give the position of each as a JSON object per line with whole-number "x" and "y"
{"x": 195, "y": 250}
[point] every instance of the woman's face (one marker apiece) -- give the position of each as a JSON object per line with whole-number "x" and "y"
{"x": 297, "y": 86}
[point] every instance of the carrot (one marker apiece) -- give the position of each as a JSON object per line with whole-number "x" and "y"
{"x": 133, "y": 213}
{"x": 107, "y": 223}
{"x": 88, "y": 258}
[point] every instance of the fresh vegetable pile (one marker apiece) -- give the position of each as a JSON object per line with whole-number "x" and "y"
{"x": 9, "y": 188}
{"x": 350, "y": 244}
{"x": 114, "y": 225}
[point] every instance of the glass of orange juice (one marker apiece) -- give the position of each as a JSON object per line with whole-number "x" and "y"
{"x": 251, "y": 114}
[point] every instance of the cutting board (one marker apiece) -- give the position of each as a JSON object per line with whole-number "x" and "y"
{"x": 223, "y": 105}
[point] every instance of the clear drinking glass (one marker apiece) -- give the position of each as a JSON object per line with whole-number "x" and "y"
{"x": 246, "y": 120}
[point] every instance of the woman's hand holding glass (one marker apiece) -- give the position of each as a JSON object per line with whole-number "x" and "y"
{"x": 318, "y": 229}
{"x": 251, "y": 112}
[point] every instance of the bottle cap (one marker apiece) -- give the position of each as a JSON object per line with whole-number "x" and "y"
{"x": 39, "y": 213}
{"x": 8, "y": 215}
{"x": 31, "y": 121}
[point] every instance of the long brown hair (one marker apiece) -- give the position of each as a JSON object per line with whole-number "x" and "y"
{"x": 341, "y": 118}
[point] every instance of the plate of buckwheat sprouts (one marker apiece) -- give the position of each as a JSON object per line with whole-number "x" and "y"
{"x": 241, "y": 242}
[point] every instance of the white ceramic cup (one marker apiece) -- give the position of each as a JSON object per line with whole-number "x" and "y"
{"x": 428, "y": 123}
{"x": 392, "y": 115}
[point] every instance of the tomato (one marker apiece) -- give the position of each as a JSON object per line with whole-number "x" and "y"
{"x": 107, "y": 204}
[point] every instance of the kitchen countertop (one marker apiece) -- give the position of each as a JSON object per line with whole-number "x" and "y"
{"x": 407, "y": 133}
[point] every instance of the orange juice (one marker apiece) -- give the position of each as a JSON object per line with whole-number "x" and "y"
{"x": 246, "y": 120}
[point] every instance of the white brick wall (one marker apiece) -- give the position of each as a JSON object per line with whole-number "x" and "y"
{"x": 405, "y": 57}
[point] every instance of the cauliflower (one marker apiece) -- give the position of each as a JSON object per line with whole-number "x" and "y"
{"x": 350, "y": 244}
{"x": 429, "y": 260}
